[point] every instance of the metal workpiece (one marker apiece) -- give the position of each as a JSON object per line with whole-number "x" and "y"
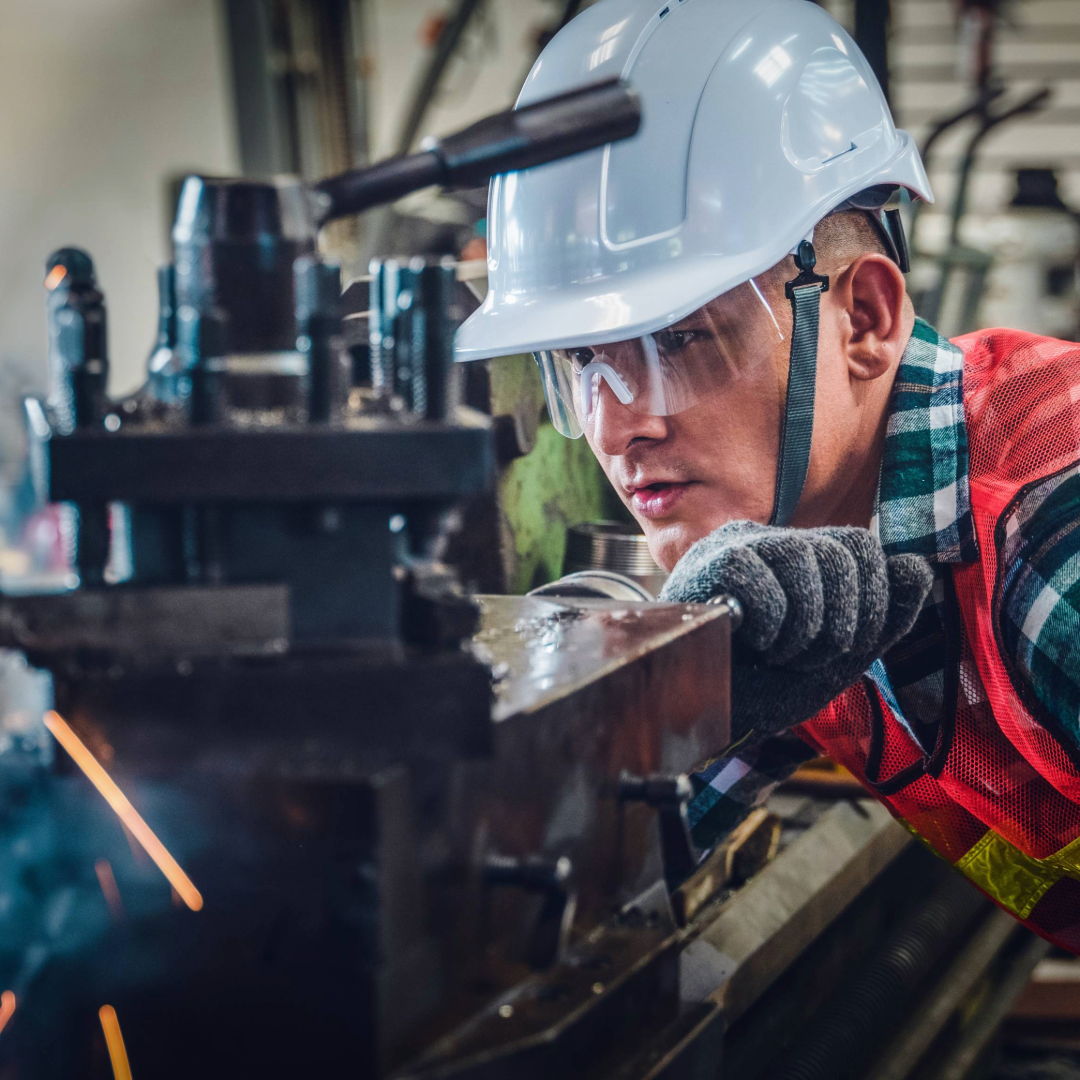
{"x": 586, "y": 693}
{"x": 505, "y": 811}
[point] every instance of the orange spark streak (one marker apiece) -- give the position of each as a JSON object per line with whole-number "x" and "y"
{"x": 110, "y": 890}
{"x": 115, "y": 1042}
{"x": 7, "y": 1007}
{"x": 56, "y": 275}
{"x": 123, "y": 809}
{"x": 138, "y": 852}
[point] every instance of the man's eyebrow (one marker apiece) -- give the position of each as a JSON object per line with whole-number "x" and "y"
{"x": 703, "y": 321}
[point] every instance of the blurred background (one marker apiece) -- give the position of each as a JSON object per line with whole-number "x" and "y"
{"x": 104, "y": 106}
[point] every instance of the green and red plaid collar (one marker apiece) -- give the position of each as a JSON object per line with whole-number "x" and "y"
{"x": 924, "y": 501}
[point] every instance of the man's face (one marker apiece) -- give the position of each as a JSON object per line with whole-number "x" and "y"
{"x": 684, "y": 475}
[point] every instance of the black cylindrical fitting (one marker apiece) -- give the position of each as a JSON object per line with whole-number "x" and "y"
{"x": 318, "y": 328}
{"x": 78, "y": 356}
{"x": 235, "y": 242}
{"x": 92, "y": 543}
{"x": 411, "y": 332}
{"x": 434, "y": 284}
{"x": 382, "y": 316}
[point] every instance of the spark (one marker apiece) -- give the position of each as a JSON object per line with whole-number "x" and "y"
{"x": 127, "y": 813}
{"x": 138, "y": 852}
{"x": 7, "y": 1007}
{"x": 56, "y": 275}
{"x": 109, "y": 888}
{"x": 115, "y": 1042}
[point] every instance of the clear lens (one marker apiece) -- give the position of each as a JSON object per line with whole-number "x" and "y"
{"x": 666, "y": 372}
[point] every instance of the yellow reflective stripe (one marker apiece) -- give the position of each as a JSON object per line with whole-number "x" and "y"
{"x": 1067, "y": 860}
{"x": 1013, "y": 879}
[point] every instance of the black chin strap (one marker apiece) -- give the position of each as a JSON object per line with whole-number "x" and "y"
{"x": 797, "y": 430}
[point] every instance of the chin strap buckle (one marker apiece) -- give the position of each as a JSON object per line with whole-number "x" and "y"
{"x": 805, "y": 259}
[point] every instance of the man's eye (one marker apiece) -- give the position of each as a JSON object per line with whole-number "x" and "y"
{"x": 580, "y": 357}
{"x": 672, "y": 341}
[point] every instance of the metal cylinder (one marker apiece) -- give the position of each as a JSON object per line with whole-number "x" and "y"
{"x": 78, "y": 357}
{"x": 318, "y": 329}
{"x": 435, "y": 282}
{"x": 235, "y": 242}
{"x": 613, "y": 545}
{"x": 411, "y": 332}
{"x": 381, "y": 317}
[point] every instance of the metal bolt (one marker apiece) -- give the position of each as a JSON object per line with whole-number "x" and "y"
{"x": 655, "y": 790}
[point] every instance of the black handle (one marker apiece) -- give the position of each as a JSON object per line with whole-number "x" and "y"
{"x": 517, "y": 139}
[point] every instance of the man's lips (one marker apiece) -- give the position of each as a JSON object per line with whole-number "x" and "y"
{"x": 657, "y": 500}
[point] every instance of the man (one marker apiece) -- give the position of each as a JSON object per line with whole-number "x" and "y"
{"x": 719, "y": 306}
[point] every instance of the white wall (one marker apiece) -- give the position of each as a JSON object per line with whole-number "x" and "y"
{"x": 484, "y": 76}
{"x": 101, "y": 101}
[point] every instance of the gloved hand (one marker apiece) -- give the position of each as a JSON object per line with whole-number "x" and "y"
{"x": 819, "y": 607}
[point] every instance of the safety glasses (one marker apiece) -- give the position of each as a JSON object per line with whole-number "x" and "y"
{"x": 666, "y": 372}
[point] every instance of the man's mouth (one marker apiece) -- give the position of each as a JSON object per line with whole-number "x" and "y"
{"x": 658, "y": 500}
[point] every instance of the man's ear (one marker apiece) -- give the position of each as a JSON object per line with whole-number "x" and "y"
{"x": 873, "y": 295}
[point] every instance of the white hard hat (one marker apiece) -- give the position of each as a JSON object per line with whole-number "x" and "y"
{"x": 758, "y": 120}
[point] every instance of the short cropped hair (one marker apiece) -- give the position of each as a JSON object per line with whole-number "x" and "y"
{"x": 839, "y": 239}
{"x": 843, "y": 236}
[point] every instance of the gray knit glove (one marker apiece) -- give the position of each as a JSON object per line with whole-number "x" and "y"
{"x": 819, "y": 607}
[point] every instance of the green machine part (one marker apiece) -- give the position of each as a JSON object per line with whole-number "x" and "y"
{"x": 558, "y": 483}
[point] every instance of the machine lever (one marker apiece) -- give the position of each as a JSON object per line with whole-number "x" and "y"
{"x": 552, "y": 880}
{"x": 669, "y": 795}
{"x": 534, "y": 134}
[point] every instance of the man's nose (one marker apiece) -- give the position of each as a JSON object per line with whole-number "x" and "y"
{"x": 613, "y": 426}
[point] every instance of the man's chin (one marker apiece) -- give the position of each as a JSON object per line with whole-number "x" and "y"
{"x": 670, "y": 540}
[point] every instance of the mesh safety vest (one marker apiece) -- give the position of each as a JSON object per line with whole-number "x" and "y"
{"x": 998, "y": 795}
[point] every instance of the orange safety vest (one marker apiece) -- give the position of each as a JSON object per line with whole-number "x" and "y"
{"x": 999, "y": 795}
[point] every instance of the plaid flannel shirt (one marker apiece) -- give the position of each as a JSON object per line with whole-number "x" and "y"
{"x": 924, "y": 507}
